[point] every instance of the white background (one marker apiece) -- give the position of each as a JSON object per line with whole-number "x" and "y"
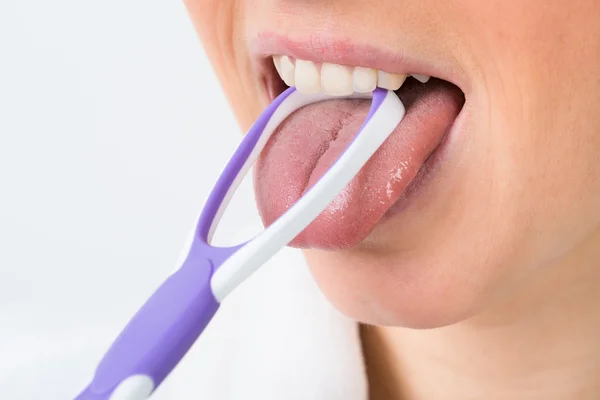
{"x": 112, "y": 130}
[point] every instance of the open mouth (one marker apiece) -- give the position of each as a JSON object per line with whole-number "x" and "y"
{"x": 311, "y": 140}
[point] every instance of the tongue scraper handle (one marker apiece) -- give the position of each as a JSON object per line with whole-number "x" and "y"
{"x": 167, "y": 325}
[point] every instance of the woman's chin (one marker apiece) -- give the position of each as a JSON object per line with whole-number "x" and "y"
{"x": 390, "y": 290}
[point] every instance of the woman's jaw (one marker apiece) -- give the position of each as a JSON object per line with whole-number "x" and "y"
{"x": 382, "y": 245}
{"x": 504, "y": 178}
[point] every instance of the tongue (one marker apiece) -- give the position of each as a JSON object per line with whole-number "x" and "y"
{"x": 312, "y": 139}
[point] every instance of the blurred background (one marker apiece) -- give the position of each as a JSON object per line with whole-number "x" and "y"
{"x": 112, "y": 130}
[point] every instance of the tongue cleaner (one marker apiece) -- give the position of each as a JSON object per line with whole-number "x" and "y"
{"x": 167, "y": 325}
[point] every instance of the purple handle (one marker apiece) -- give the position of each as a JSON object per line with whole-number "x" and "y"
{"x": 161, "y": 332}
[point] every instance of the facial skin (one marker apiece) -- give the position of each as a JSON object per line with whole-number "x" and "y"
{"x": 520, "y": 188}
{"x": 510, "y": 221}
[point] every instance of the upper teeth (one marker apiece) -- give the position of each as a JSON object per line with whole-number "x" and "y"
{"x": 335, "y": 79}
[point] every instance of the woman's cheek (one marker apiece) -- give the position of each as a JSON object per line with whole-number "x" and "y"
{"x": 220, "y": 27}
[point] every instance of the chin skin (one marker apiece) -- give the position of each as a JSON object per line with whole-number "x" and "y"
{"x": 431, "y": 287}
{"x": 461, "y": 246}
{"x": 376, "y": 290}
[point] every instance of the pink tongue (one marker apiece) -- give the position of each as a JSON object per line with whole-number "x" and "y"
{"x": 312, "y": 139}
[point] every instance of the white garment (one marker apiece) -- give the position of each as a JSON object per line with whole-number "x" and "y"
{"x": 276, "y": 337}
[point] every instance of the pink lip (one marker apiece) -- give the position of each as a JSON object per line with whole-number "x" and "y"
{"x": 322, "y": 48}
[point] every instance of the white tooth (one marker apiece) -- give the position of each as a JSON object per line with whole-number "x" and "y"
{"x": 336, "y": 80}
{"x": 307, "y": 78}
{"x": 287, "y": 70}
{"x": 421, "y": 78}
{"x": 364, "y": 79}
{"x": 390, "y": 81}
{"x": 277, "y": 63}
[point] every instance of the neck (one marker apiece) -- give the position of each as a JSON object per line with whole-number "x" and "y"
{"x": 543, "y": 344}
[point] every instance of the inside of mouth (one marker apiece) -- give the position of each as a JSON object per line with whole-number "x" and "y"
{"x": 412, "y": 90}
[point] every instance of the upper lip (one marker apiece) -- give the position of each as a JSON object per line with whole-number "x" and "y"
{"x": 329, "y": 49}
